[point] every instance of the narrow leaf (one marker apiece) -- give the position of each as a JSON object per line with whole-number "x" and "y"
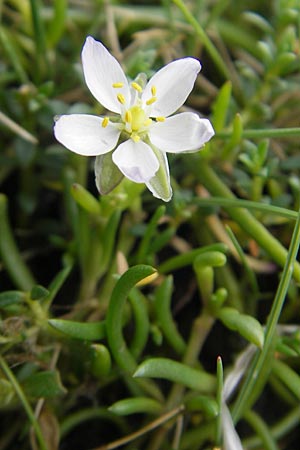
{"x": 177, "y": 372}
{"x": 91, "y": 331}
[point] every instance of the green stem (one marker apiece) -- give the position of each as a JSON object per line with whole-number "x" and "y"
{"x": 211, "y": 49}
{"x": 10, "y": 376}
{"x": 39, "y": 36}
{"x": 247, "y": 204}
{"x": 263, "y": 133}
{"x": 253, "y": 382}
{"x": 12, "y": 54}
{"x": 141, "y": 331}
{"x": 245, "y": 219}
{"x": 279, "y": 430}
{"x": 262, "y": 430}
{"x": 162, "y": 307}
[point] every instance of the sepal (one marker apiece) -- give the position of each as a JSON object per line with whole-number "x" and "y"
{"x": 107, "y": 174}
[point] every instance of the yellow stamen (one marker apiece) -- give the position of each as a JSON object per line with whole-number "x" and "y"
{"x": 117, "y": 85}
{"x": 160, "y": 119}
{"x": 105, "y": 122}
{"x": 135, "y": 137}
{"x": 121, "y": 99}
{"x": 151, "y": 100}
{"x": 153, "y": 91}
{"x": 128, "y": 117}
{"x": 136, "y": 86}
{"x": 147, "y": 123}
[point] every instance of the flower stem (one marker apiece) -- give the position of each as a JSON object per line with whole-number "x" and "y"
{"x": 264, "y": 133}
{"x": 211, "y": 49}
{"x": 247, "y": 204}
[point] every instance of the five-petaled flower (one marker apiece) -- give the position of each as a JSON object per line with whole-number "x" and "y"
{"x": 134, "y": 142}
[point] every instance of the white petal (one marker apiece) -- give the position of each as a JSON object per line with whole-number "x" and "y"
{"x": 101, "y": 70}
{"x": 173, "y": 84}
{"x": 182, "y": 132}
{"x": 84, "y": 134}
{"x": 160, "y": 185}
{"x": 136, "y": 160}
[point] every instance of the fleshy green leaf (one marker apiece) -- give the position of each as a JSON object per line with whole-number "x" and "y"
{"x": 162, "y": 305}
{"x": 100, "y": 360}
{"x": 177, "y": 372}
{"x": 246, "y": 325}
{"x": 91, "y": 331}
{"x": 220, "y": 107}
{"x": 38, "y": 292}
{"x": 11, "y": 297}
{"x": 288, "y": 376}
{"x": 136, "y": 405}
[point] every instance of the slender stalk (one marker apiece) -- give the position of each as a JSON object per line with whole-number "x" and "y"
{"x": 263, "y": 133}
{"x": 280, "y": 429}
{"x": 251, "y": 384}
{"x": 262, "y": 430}
{"x": 39, "y": 36}
{"x": 247, "y": 204}
{"x": 211, "y": 49}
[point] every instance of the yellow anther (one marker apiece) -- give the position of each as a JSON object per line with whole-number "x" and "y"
{"x": 121, "y": 99}
{"x": 136, "y": 86}
{"x": 147, "y": 123}
{"x": 160, "y": 119}
{"x": 135, "y": 137}
{"x": 105, "y": 122}
{"x": 151, "y": 100}
{"x": 128, "y": 117}
{"x": 153, "y": 91}
{"x": 117, "y": 85}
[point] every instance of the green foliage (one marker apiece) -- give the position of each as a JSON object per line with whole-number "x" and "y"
{"x": 116, "y": 310}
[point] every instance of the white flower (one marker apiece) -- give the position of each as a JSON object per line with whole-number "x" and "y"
{"x": 136, "y": 140}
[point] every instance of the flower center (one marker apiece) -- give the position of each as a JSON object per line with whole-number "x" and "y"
{"x": 136, "y": 120}
{"x": 136, "y": 117}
